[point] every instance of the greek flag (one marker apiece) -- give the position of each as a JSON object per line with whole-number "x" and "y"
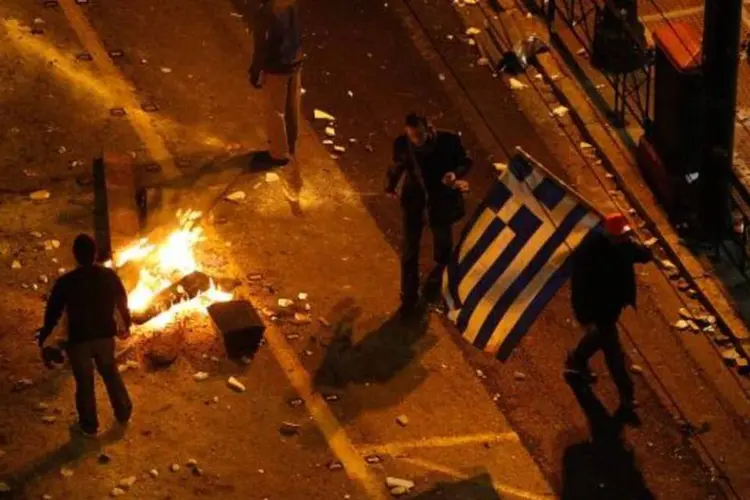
{"x": 514, "y": 255}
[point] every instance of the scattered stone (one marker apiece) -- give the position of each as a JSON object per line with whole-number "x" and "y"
{"x": 65, "y": 472}
{"x": 722, "y": 340}
{"x": 164, "y": 69}
{"x": 441, "y": 77}
{"x": 236, "y": 197}
{"x": 117, "y": 492}
{"x": 200, "y": 376}
{"x": 473, "y": 31}
{"x": 302, "y": 319}
{"x": 560, "y": 111}
{"x": 730, "y": 356}
{"x": 339, "y": 149}
{"x": 49, "y": 419}
{"x": 681, "y": 325}
{"x": 296, "y": 402}
{"x": 373, "y": 459}
{"x": 519, "y": 376}
{"x": 44, "y": 279}
{"x": 585, "y": 145}
{"x": 685, "y": 314}
{"x": 693, "y": 326}
{"x": 246, "y": 360}
{"x": 21, "y": 384}
{"x": 36, "y": 234}
{"x": 516, "y": 84}
{"x": 398, "y": 491}
{"x": 302, "y": 296}
{"x": 322, "y": 115}
{"x": 481, "y": 374}
{"x": 483, "y": 61}
{"x": 289, "y": 429}
{"x": 272, "y": 177}
{"x": 127, "y": 483}
{"x": 369, "y": 148}
{"x": 174, "y": 467}
{"x": 41, "y": 406}
{"x": 153, "y": 473}
{"x": 667, "y": 265}
{"x": 331, "y": 398}
{"x": 350, "y": 93}
{"x": 328, "y": 142}
{"x": 636, "y": 369}
{"x": 335, "y": 465}
{"x": 402, "y": 420}
{"x": 330, "y": 131}
{"x": 285, "y": 302}
{"x": 191, "y": 463}
{"x": 395, "y": 482}
{"x": 15, "y": 265}
{"x": 650, "y": 242}
{"x": 40, "y": 195}
{"x": 235, "y": 384}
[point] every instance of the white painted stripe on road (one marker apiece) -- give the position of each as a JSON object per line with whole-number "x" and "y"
{"x": 438, "y": 442}
{"x": 672, "y": 14}
{"x": 500, "y": 488}
{"x": 139, "y": 120}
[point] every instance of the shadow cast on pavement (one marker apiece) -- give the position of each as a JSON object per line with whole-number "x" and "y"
{"x": 475, "y": 488}
{"x": 377, "y": 358}
{"x": 601, "y": 467}
{"x": 77, "y": 448}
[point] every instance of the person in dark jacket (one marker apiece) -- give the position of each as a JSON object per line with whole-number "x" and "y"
{"x": 90, "y": 295}
{"x": 603, "y": 284}
{"x": 429, "y": 164}
{"x": 277, "y": 65}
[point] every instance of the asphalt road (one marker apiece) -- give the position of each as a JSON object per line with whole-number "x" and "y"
{"x": 491, "y": 433}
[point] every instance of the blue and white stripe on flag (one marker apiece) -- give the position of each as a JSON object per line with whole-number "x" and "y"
{"x": 514, "y": 256}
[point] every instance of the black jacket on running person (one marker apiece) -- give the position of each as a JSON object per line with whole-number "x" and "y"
{"x": 90, "y": 295}
{"x": 277, "y": 38}
{"x": 603, "y": 281}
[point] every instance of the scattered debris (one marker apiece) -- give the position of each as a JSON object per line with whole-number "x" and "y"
{"x": 174, "y": 467}
{"x": 153, "y": 473}
{"x": 272, "y": 177}
{"x": 335, "y": 465}
{"x": 585, "y": 145}
{"x": 330, "y": 131}
{"x": 117, "y": 492}
{"x": 236, "y": 196}
{"x": 397, "y": 491}
{"x": 519, "y": 376}
{"x": 165, "y": 69}
{"x": 441, "y": 77}
{"x": 200, "y": 376}
{"x": 65, "y": 472}
{"x": 730, "y": 356}
{"x": 560, "y": 111}
{"x": 15, "y": 265}
{"x": 324, "y": 322}
{"x": 681, "y": 325}
{"x": 667, "y": 265}
{"x": 289, "y": 429}
{"x": 302, "y": 319}
{"x": 285, "y": 302}
{"x": 402, "y": 420}
{"x": 296, "y": 402}
{"x": 483, "y": 61}
{"x": 21, "y": 384}
{"x": 395, "y": 482}
{"x": 373, "y": 459}
{"x": 322, "y": 115}
{"x": 350, "y": 93}
{"x": 49, "y": 419}
{"x": 40, "y": 195}
{"x": 473, "y": 31}
{"x": 235, "y": 384}
{"x": 302, "y": 296}
{"x": 636, "y": 368}
{"x": 516, "y": 84}
{"x": 650, "y": 242}
{"x": 327, "y": 142}
{"x": 685, "y": 314}
{"x": 127, "y": 483}
{"x": 339, "y": 149}
{"x": 481, "y": 374}
{"x": 500, "y": 167}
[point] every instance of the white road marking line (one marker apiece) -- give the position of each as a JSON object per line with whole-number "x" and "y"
{"x": 437, "y": 442}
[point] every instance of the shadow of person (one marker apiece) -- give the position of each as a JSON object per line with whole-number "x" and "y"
{"x": 601, "y": 467}
{"x": 77, "y": 448}
{"x": 381, "y": 355}
{"x": 475, "y": 488}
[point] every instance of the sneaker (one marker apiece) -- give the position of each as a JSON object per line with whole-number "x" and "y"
{"x": 80, "y": 431}
{"x": 579, "y": 372}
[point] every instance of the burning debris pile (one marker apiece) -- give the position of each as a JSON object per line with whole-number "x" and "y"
{"x": 164, "y": 278}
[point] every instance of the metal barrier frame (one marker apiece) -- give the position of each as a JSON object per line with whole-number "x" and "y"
{"x": 633, "y": 90}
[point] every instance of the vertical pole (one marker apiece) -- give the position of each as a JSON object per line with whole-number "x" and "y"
{"x": 721, "y": 42}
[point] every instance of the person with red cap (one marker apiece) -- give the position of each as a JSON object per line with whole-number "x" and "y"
{"x": 603, "y": 284}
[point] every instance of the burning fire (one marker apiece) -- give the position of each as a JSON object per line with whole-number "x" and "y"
{"x": 166, "y": 263}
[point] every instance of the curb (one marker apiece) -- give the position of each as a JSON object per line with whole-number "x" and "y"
{"x": 709, "y": 294}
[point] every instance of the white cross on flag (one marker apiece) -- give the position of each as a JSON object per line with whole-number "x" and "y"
{"x": 514, "y": 255}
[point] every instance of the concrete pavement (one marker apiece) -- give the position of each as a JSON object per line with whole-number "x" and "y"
{"x": 323, "y": 230}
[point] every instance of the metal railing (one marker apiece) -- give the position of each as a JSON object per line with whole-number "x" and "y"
{"x": 633, "y": 89}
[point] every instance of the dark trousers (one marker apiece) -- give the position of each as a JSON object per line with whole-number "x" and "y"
{"x": 604, "y": 337}
{"x": 83, "y": 357}
{"x": 413, "y": 221}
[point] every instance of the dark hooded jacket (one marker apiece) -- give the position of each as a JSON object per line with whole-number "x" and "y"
{"x": 603, "y": 281}
{"x": 277, "y": 38}
{"x": 443, "y": 153}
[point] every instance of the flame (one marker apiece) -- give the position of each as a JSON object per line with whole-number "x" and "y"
{"x": 165, "y": 263}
